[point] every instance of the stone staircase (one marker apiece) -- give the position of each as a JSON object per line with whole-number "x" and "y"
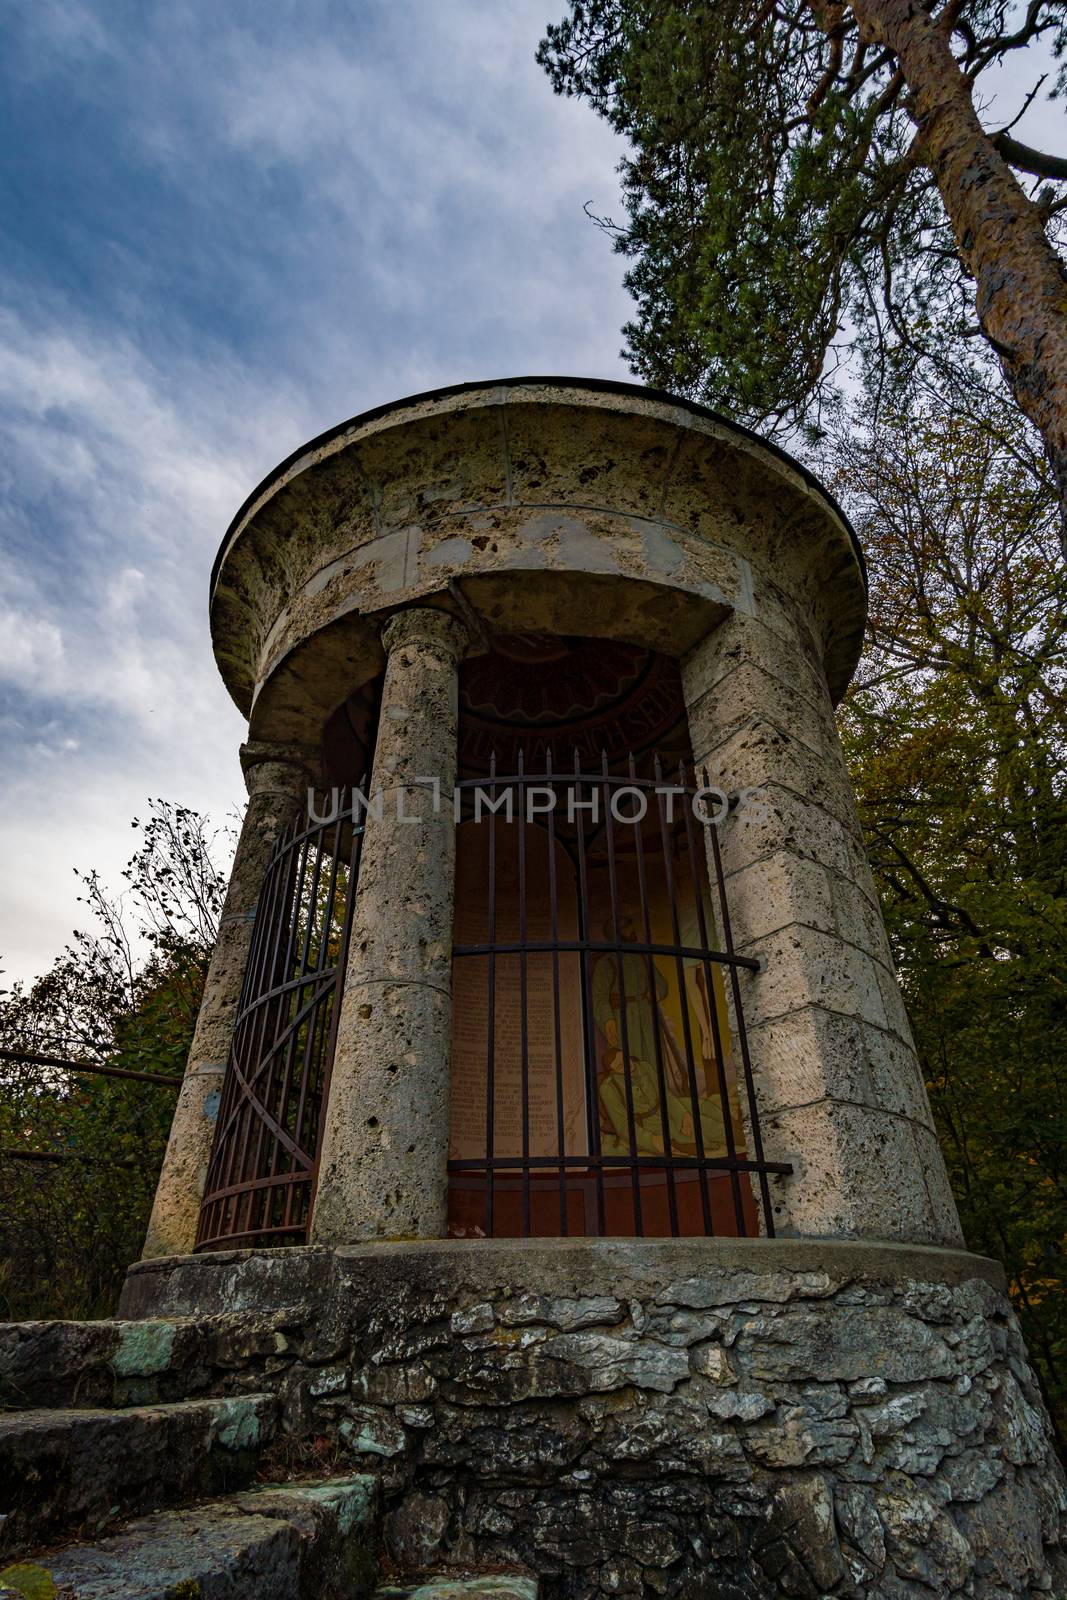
{"x": 293, "y": 1541}
{"x": 116, "y": 1485}
{"x": 65, "y": 1470}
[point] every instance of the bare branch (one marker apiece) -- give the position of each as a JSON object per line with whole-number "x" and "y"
{"x": 1027, "y": 159}
{"x": 605, "y": 224}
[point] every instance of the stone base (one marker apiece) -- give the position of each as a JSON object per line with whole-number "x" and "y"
{"x": 736, "y": 1418}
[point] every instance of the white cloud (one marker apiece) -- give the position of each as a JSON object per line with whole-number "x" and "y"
{"x": 31, "y": 650}
{"x": 134, "y": 475}
{"x": 366, "y": 209}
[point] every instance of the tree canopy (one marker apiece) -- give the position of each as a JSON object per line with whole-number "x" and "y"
{"x": 956, "y": 734}
{"x": 125, "y": 993}
{"x": 803, "y": 175}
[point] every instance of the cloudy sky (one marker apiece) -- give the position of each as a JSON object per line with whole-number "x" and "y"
{"x": 227, "y": 226}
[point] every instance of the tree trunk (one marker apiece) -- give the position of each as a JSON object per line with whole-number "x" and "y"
{"x": 1020, "y": 280}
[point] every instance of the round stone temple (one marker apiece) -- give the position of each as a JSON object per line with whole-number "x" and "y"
{"x": 553, "y": 1099}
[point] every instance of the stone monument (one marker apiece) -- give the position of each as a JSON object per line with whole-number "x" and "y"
{"x": 553, "y": 1142}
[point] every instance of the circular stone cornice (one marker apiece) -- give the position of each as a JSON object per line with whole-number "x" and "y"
{"x": 340, "y": 434}
{"x": 847, "y": 569}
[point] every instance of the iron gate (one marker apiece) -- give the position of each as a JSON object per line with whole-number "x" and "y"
{"x": 601, "y": 1074}
{"x": 616, "y": 1095}
{"x": 263, "y": 1161}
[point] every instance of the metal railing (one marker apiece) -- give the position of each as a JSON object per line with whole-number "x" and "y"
{"x": 601, "y": 1078}
{"x": 263, "y": 1162}
{"x": 33, "y": 1058}
{"x": 599, "y": 1035}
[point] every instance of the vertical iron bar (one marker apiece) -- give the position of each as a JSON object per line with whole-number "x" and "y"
{"x": 316, "y": 1033}
{"x": 661, "y": 1077}
{"x": 293, "y": 1048}
{"x": 253, "y": 1041}
{"x": 627, "y": 1060}
{"x": 231, "y": 1114}
{"x": 259, "y": 1199}
{"x": 250, "y": 1026}
{"x": 355, "y": 855}
{"x": 742, "y": 1039}
{"x": 490, "y": 1084}
{"x": 328, "y": 915}
{"x": 592, "y": 1100}
{"x": 264, "y": 1021}
{"x": 713, "y": 1011}
{"x": 687, "y": 1032}
{"x": 557, "y": 1035}
{"x": 524, "y": 1052}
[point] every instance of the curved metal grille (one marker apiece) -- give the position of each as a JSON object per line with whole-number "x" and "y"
{"x": 263, "y": 1160}
{"x": 600, "y": 1072}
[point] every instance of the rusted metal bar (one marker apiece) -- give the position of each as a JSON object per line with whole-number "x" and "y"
{"x": 713, "y": 1011}
{"x": 620, "y": 973}
{"x": 490, "y": 1039}
{"x": 592, "y": 1102}
{"x": 713, "y": 1163}
{"x": 344, "y": 909}
{"x": 557, "y": 1022}
{"x": 687, "y": 1031}
{"x": 524, "y": 1036}
{"x": 742, "y": 1038}
{"x": 657, "y": 1020}
{"x": 632, "y": 942}
{"x": 264, "y": 1162}
{"x": 595, "y": 946}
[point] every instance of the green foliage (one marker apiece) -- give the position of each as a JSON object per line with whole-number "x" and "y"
{"x": 956, "y": 731}
{"x": 35, "y": 1583}
{"x": 127, "y": 992}
{"x": 777, "y": 206}
{"x": 780, "y": 221}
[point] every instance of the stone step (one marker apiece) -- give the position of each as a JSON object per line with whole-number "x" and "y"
{"x": 294, "y": 1541}
{"x": 473, "y": 1586}
{"x": 67, "y": 1471}
{"x": 117, "y": 1362}
{"x": 107, "y": 1363}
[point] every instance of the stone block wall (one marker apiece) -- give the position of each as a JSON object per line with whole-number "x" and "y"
{"x": 683, "y": 1418}
{"x": 838, "y": 1085}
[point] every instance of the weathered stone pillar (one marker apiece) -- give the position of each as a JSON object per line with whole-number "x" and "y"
{"x": 383, "y": 1163}
{"x": 277, "y": 778}
{"x": 838, "y": 1084}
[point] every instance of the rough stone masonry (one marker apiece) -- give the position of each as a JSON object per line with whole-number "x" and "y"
{"x": 738, "y": 1419}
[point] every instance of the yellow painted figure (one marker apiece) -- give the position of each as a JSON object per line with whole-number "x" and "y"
{"x": 649, "y": 1108}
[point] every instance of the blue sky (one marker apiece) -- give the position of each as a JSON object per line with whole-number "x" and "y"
{"x": 227, "y": 226}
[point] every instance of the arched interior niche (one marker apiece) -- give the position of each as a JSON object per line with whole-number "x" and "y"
{"x": 545, "y": 696}
{"x": 348, "y": 737}
{"x": 590, "y": 1040}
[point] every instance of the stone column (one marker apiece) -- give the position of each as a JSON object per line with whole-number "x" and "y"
{"x": 383, "y": 1160}
{"x": 838, "y": 1084}
{"x": 277, "y": 778}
